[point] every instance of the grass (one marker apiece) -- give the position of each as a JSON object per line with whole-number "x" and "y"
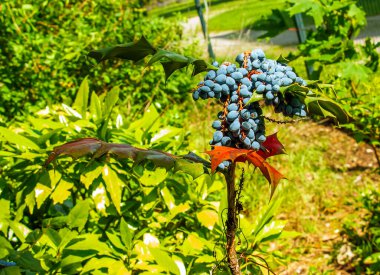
{"x": 325, "y": 179}
{"x": 319, "y": 193}
{"x": 225, "y": 15}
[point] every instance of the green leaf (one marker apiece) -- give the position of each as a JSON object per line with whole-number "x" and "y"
{"x": 81, "y": 100}
{"x": 110, "y": 100}
{"x": 295, "y": 87}
{"x": 17, "y": 139}
{"x": 26, "y": 260}
{"x": 115, "y": 241}
{"x": 131, "y": 51}
{"x": 12, "y": 270}
{"x": 62, "y": 191}
{"x": 78, "y": 216}
{"x": 282, "y": 60}
{"x": 254, "y": 98}
{"x": 168, "y": 198}
{"x": 70, "y": 111}
{"x": 53, "y": 237}
{"x": 126, "y": 235}
{"x": 5, "y": 247}
{"x": 66, "y": 236}
{"x": 33, "y": 236}
{"x": 91, "y": 173}
{"x": 114, "y": 186}
{"x": 208, "y": 218}
{"x": 95, "y": 107}
{"x": 5, "y": 216}
{"x": 138, "y": 50}
{"x": 327, "y": 108}
{"x": 153, "y": 178}
{"x": 41, "y": 193}
{"x": 88, "y": 241}
{"x": 98, "y": 263}
{"x": 266, "y": 214}
{"x": 201, "y": 66}
{"x": 270, "y": 231}
{"x": 163, "y": 259}
{"x": 193, "y": 169}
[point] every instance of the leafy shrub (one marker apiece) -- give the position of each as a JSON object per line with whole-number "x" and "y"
{"x": 43, "y": 45}
{"x": 336, "y": 59}
{"x": 110, "y": 215}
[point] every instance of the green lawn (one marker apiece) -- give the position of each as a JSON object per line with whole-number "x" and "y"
{"x": 225, "y": 15}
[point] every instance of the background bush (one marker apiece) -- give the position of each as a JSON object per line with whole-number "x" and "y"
{"x": 43, "y": 47}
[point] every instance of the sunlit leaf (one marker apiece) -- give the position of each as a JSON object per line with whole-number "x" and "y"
{"x": 17, "y": 139}
{"x": 62, "y": 191}
{"x": 81, "y": 100}
{"x": 164, "y": 260}
{"x": 78, "y": 216}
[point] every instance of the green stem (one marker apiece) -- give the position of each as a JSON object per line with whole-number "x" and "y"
{"x": 231, "y": 223}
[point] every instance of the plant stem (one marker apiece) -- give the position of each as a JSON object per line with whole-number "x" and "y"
{"x": 231, "y": 223}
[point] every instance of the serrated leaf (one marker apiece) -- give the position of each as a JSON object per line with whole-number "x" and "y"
{"x": 134, "y": 51}
{"x": 295, "y": 87}
{"x": 327, "y": 108}
{"x": 282, "y": 60}
{"x": 169, "y": 60}
{"x": 168, "y": 56}
{"x": 201, "y": 66}
{"x": 171, "y": 66}
{"x": 222, "y": 153}
{"x": 273, "y": 147}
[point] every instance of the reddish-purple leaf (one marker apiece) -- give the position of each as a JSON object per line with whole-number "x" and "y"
{"x": 273, "y": 147}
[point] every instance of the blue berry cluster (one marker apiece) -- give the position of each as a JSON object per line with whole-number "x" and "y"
{"x": 241, "y": 125}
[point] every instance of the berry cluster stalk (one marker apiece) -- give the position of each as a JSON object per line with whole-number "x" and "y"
{"x": 232, "y": 221}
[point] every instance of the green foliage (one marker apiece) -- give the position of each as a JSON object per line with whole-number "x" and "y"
{"x": 363, "y": 237}
{"x": 336, "y": 59}
{"x": 105, "y": 215}
{"x": 43, "y": 47}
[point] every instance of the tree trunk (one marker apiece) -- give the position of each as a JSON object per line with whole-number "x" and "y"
{"x": 231, "y": 223}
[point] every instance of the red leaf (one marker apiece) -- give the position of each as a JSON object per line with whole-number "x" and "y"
{"x": 222, "y": 153}
{"x": 273, "y": 146}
